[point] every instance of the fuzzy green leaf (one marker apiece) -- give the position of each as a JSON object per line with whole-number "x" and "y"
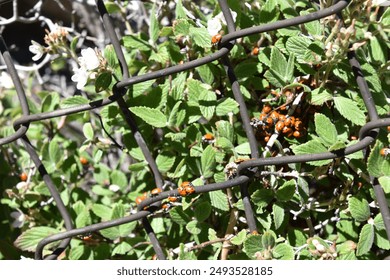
{"x": 312, "y": 147}
{"x": 150, "y": 115}
{"x": 200, "y": 36}
{"x": 208, "y": 162}
{"x": 226, "y": 106}
{"x": 88, "y": 131}
{"x": 252, "y": 245}
{"x": 278, "y": 213}
{"x": 219, "y": 200}
{"x": 366, "y": 238}
{"x": 360, "y": 210}
{"x": 325, "y": 129}
{"x": 29, "y": 239}
{"x": 349, "y": 110}
{"x": 283, "y": 252}
{"x": 286, "y": 191}
{"x": 239, "y": 238}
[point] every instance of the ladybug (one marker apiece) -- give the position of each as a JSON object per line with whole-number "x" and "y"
{"x": 288, "y": 131}
{"x": 274, "y": 115}
{"x": 216, "y": 39}
{"x": 166, "y": 206}
{"x": 208, "y": 138}
{"x": 266, "y": 138}
{"x": 255, "y": 51}
{"x": 388, "y": 128}
{"x": 83, "y": 161}
{"x": 298, "y": 124}
{"x": 297, "y": 134}
{"x": 140, "y": 198}
{"x": 186, "y": 188}
{"x": 269, "y": 121}
{"x": 282, "y": 117}
{"x": 279, "y": 126}
{"x": 173, "y": 198}
{"x": 266, "y": 109}
{"x": 155, "y": 192}
{"x": 385, "y": 152}
{"x": 86, "y": 237}
{"x": 23, "y": 177}
{"x": 288, "y": 122}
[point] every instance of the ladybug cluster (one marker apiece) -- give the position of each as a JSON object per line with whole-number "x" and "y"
{"x": 186, "y": 188}
{"x": 271, "y": 121}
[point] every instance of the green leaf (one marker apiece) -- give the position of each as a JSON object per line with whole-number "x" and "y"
{"x": 243, "y": 149}
{"x": 268, "y": 239}
{"x": 29, "y": 239}
{"x": 208, "y": 162}
{"x": 135, "y": 43}
{"x": 283, "y": 252}
{"x": 381, "y": 240}
{"x": 83, "y": 219}
{"x": 110, "y": 56}
{"x": 165, "y": 162}
{"x": 200, "y": 36}
{"x": 325, "y": 129}
{"x": 376, "y": 163}
{"x": 102, "y": 211}
{"x": 174, "y": 119}
{"x": 384, "y": 181}
{"x": 112, "y": 7}
{"x": 202, "y": 211}
{"x": 103, "y": 81}
{"x": 118, "y": 178}
{"x": 150, "y": 115}
{"x": 252, "y": 245}
{"x": 312, "y": 147}
{"x": 349, "y": 110}
{"x": 298, "y": 46}
{"x": 88, "y": 131}
{"x": 181, "y": 27}
{"x": 179, "y": 11}
{"x": 320, "y": 95}
{"x": 73, "y": 101}
{"x": 54, "y": 152}
{"x": 225, "y": 129}
{"x": 179, "y": 216}
{"x": 207, "y": 103}
{"x": 121, "y": 249}
{"x": 226, "y": 106}
{"x": 262, "y": 197}
{"x": 194, "y": 228}
{"x": 280, "y": 72}
{"x": 366, "y": 238}
{"x": 205, "y": 74}
{"x": 219, "y": 200}
{"x": 278, "y": 213}
{"x": 239, "y": 238}
{"x": 154, "y": 27}
{"x": 269, "y": 12}
{"x": 286, "y": 191}
{"x": 359, "y": 208}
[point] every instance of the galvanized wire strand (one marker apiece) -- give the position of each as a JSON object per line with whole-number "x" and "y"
{"x": 249, "y": 214}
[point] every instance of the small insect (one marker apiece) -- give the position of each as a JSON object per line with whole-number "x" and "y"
{"x": 274, "y": 115}
{"x": 166, "y": 206}
{"x": 279, "y": 126}
{"x": 208, "y": 138}
{"x": 288, "y": 122}
{"x": 385, "y": 152}
{"x": 86, "y": 237}
{"x": 266, "y": 109}
{"x": 173, "y": 198}
{"x": 140, "y": 198}
{"x": 388, "y": 128}
{"x": 231, "y": 170}
{"x": 255, "y": 51}
{"x": 297, "y": 134}
{"x": 155, "y": 192}
{"x": 83, "y": 161}
{"x": 23, "y": 177}
{"x": 298, "y": 124}
{"x": 269, "y": 121}
{"x": 186, "y": 188}
{"x": 216, "y": 39}
{"x": 287, "y": 131}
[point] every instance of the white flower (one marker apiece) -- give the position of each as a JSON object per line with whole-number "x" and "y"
{"x": 214, "y": 26}
{"x": 36, "y": 49}
{"x": 80, "y": 77}
{"x": 19, "y": 218}
{"x": 380, "y": 3}
{"x": 6, "y": 81}
{"x": 221, "y": 17}
{"x": 89, "y": 59}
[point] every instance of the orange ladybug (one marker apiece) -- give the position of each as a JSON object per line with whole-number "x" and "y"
{"x": 266, "y": 109}
{"x": 86, "y": 237}
{"x": 155, "y": 192}
{"x": 216, "y": 39}
{"x": 173, "y": 198}
{"x": 140, "y": 198}
{"x": 208, "y": 138}
{"x": 255, "y": 51}
{"x": 186, "y": 188}
{"x": 279, "y": 126}
{"x": 166, "y": 206}
{"x": 83, "y": 161}
{"x": 388, "y": 128}
{"x": 385, "y": 152}
{"x": 23, "y": 177}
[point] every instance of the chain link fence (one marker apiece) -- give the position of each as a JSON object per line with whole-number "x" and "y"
{"x": 244, "y": 173}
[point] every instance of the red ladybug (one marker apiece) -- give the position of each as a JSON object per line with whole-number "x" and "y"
{"x": 155, "y": 192}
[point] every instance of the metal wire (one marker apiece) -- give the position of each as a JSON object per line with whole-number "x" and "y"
{"x": 367, "y": 133}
